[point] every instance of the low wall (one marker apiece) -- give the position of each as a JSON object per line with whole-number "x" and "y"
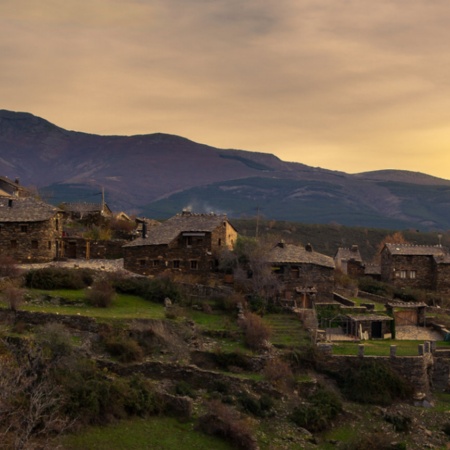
{"x": 417, "y": 369}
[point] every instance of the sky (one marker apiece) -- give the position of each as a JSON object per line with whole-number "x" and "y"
{"x": 349, "y": 85}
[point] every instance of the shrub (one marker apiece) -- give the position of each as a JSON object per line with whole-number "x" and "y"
{"x": 101, "y": 294}
{"x": 123, "y": 348}
{"x": 372, "y": 382}
{"x": 14, "y": 297}
{"x": 8, "y": 267}
{"x": 185, "y": 389}
{"x": 222, "y": 421}
{"x": 279, "y": 373}
{"x": 58, "y": 278}
{"x": 256, "y": 332}
{"x": 316, "y": 415}
{"x": 375, "y": 287}
{"x": 260, "y": 407}
{"x": 155, "y": 290}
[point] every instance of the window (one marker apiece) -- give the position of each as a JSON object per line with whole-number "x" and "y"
{"x": 23, "y": 228}
{"x": 412, "y": 274}
{"x": 188, "y": 241}
{"x": 13, "y": 244}
{"x": 34, "y": 244}
{"x": 57, "y": 224}
{"x": 155, "y": 262}
{"x": 402, "y": 273}
{"x": 194, "y": 264}
{"x": 49, "y": 245}
{"x": 176, "y": 264}
{"x": 219, "y": 242}
{"x": 142, "y": 262}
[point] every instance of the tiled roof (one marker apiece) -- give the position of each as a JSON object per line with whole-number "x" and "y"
{"x": 25, "y": 209}
{"x": 183, "y": 222}
{"x": 293, "y": 254}
{"x": 415, "y": 250}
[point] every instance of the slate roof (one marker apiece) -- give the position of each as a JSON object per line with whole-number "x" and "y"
{"x": 85, "y": 207}
{"x": 346, "y": 254}
{"x": 293, "y": 254}
{"x": 371, "y": 317}
{"x": 25, "y": 209}
{"x": 415, "y": 250}
{"x": 169, "y": 230}
{"x": 407, "y": 304}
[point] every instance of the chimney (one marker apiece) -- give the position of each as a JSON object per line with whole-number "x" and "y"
{"x": 308, "y": 247}
{"x": 144, "y": 229}
{"x": 354, "y": 248}
{"x": 281, "y": 244}
{"x": 17, "y": 181}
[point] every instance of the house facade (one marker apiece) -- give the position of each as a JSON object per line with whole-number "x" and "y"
{"x": 30, "y": 230}
{"x": 187, "y": 242}
{"x": 306, "y": 275}
{"x": 416, "y": 266}
{"x": 349, "y": 261}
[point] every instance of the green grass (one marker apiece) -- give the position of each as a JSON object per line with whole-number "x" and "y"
{"x": 287, "y": 330}
{"x": 156, "y": 433}
{"x": 123, "y": 306}
{"x": 217, "y": 322}
{"x": 381, "y": 348}
{"x": 378, "y": 306}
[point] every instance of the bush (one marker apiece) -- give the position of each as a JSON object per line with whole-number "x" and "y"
{"x": 279, "y": 373}
{"x": 8, "y": 267}
{"x": 101, "y": 294}
{"x": 373, "y": 382}
{"x": 185, "y": 389}
{"x": 260, "y": 407}
{"x": 59, "y": 278}
{"x": 123, "y": 348}
{"x": 222, "y": 421}
{"x": 256, "y": 332}
{"x": 155, "y": 290}
{"x": 375, "y": 287}
{"x": 14, "y": 297}
{"x": 316, "y": 415}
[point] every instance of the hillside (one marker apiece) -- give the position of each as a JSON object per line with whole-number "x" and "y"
{"x": 159, "y": 174}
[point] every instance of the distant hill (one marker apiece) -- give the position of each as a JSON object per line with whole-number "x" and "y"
{"x": 159, "y": 174}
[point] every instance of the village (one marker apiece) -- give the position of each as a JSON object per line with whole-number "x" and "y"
{"x": 204, "y": 252}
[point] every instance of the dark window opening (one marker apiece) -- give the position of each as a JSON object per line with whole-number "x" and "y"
{"x": 34, "y": 244}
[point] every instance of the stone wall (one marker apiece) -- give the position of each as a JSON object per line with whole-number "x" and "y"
{"x": 417, "y": 369}
{"x": 31, "y": 242}
{"x": 80, "y": 248}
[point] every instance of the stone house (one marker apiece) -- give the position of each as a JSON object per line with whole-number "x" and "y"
{"x": 416, "y": 266}
{"x": 30, "y": 230}
{"x": 88, "y": 213}
{"x": 10, "y": 188}
{"x": 369, "y": 326}
{"x": 349, "y": 261}
{"x": 187, "y": 242}
{"x": 306, "y": 275}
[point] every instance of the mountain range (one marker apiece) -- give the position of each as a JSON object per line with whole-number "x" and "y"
{"x": 157, "y": 175}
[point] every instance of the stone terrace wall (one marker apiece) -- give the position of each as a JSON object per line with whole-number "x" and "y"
{"x": 416, "y": 369}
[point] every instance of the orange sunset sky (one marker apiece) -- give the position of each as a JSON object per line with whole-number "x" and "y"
{"x": 351, "y": 85}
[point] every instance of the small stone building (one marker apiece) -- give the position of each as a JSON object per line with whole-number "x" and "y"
{"x": 415, "y": 266}
{"x": 305, "y": 274}
{"x": 407, "y": 313}
{"x": 369, "y": 326}
{"x": 30, "y": 230}
{"x": 349, "y": 261}
{"x": 187, "y": 242}
{"x": 9, "y": 188}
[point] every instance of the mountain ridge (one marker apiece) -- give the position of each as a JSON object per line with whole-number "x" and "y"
{"x": 165, "y": 172}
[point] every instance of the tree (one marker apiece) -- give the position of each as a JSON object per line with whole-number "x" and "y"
{"x": 395, "y": 238}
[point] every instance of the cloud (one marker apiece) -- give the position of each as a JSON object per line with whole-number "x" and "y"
{"x": 324, "y": 83}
